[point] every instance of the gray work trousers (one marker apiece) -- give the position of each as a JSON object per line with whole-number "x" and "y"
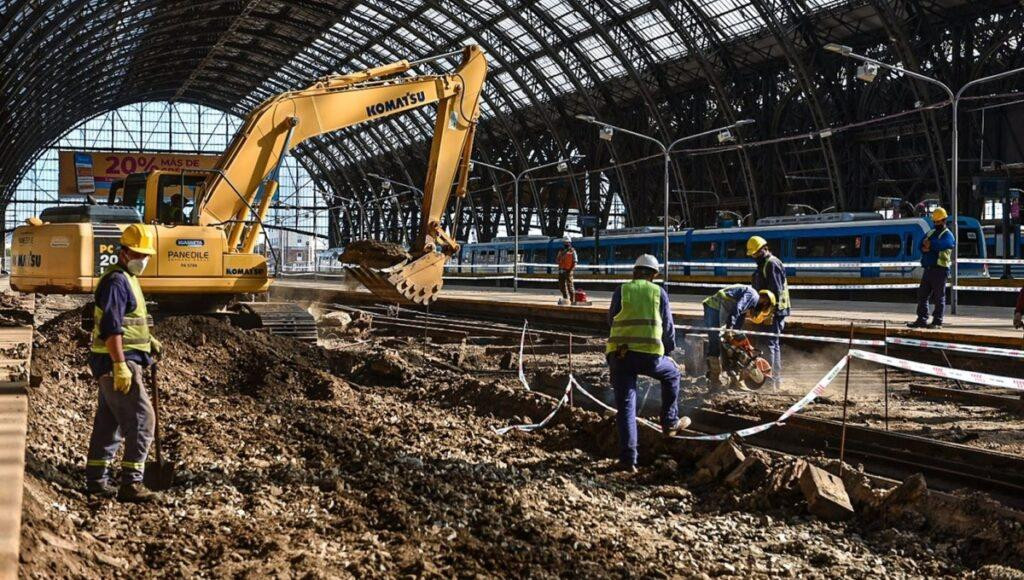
{"x": 120, "y": 417}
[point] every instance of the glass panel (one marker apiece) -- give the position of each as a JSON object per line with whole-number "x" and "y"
{"x": 888, "y": 246}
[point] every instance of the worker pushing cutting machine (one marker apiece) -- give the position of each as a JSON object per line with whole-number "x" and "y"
{"x": 566, "y": 259}
{"x": 643, "y": 332}
{"x": 936, "y": 257}
{"x": 770, "y": 274}
{"x": 121, "y": 348}
{"x": 728, "y": 307}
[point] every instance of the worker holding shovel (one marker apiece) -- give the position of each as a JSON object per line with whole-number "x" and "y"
{"x": 122, "y": 347}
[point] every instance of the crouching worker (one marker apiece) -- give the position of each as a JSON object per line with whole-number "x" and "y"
{"x": 121, "y": 347}
{"x": 642, "y": 334}
{"x": 728, "y": 307}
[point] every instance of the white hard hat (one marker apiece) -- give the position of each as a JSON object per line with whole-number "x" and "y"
{"x": 647, "y": 261}
{"x": 565, "y": 239}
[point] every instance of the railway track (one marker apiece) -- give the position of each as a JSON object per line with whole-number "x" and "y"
{"x": 947, "y": 466}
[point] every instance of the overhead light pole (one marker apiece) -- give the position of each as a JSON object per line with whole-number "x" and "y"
{"x": 562, "y": 164}
{"x": 954, "y": 99}
{"x": 607, "y": 131}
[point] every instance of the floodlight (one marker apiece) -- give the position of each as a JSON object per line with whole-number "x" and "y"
{"x": 606, "y": 133}
{"x": 867, "y": 72}
{"x": 838, "y": 48}
{"x": 563, "y": 166}
{"x": 726, "y": 136}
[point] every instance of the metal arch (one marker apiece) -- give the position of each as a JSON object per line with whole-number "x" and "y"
{"x": 718, "y": 87}
{"x": 904, "y": 52}
{"x": 768, "y": 10}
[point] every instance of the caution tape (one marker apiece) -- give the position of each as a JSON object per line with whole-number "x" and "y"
{"x": 942, "y": 372}
{"x": 522, "y": 342}
{"x": 807, "y": 337}
{"x": 989, "y": 350}
{"x": 534, "y": 426}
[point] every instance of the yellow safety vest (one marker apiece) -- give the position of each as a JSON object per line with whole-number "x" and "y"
{"x": 719, "y": 298}
{"x": 135, "y": 326}
{"x": 945, "y": 257}
{"x": 782, "y": 300}
{"x": 638, "y": 323}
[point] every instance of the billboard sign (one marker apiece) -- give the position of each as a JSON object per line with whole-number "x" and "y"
{"x": 91, "y": 173}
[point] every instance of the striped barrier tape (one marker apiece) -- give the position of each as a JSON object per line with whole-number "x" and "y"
{"x": 807, "y": 337}
{"x": 534, "y": 426}
{"x": 989, "y": 350}
{"x": 522, "y": 343}
{"x": 941, "y": 372}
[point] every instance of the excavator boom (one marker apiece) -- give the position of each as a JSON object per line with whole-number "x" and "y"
{"x": 340, "y": 101}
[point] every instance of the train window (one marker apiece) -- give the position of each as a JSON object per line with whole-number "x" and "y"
{"x": 585, "y": 255}
{"x": 909, "y": 244}
{"x": 677, "y": 251}
{"x": 603, "y": 255}
{"x": 736, "y": 249}
{"x": 811, "y": 247}
{"x": 705, "y": 249}
{"x": 887, "y": 246}
{"x": 629, "y": 253}
{"x": 845, "y": 247}
{"x": 539, "y": 256}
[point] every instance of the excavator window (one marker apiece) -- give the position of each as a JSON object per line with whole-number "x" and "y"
{"x": 174, "y": 197}
{"x": 134, "y": 192}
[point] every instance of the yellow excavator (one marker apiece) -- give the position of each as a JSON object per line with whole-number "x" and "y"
{"x": 205, "y": 256}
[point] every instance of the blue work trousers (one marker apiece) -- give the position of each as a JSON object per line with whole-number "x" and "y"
{"x": 932, "y": 288}
{"x": 775, "y": 347}
{"x": 120, "y": 417}
{"x": 624, "y": 372}
{"x": 713, "y": 319}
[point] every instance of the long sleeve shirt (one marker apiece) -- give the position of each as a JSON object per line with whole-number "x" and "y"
{"x": 1020, "y": 302}
{"x": 668, "y": 326}
{"x": 940, "y": 240}
{"x": 744, "y": 299}
{"x": 115, "y": 299}
{"x": 774, "y": 281}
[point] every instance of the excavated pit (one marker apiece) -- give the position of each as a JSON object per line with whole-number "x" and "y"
{"x": 376, "y": 457}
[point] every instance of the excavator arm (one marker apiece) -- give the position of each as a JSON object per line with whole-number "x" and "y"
{"x": 245, "y": 180}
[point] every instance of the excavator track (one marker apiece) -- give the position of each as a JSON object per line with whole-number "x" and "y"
{"x": 280, "y": 318}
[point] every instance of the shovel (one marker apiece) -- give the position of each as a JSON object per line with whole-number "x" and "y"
{"x": 159, "y": 475}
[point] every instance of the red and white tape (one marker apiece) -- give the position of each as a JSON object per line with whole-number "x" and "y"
{"x": 942, "y": 372}
{"x": 969, "y": 348}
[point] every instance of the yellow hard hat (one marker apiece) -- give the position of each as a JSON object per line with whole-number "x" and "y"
{"x": 939, "y": 214}
{"x": 754, "y": 244}
{"x": 138, "y": 238}
{"x": 770, "y": 295}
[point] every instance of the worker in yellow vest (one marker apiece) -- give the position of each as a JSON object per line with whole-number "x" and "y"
{"x": 729, "y": 307}
{"x": 121, "y": 347}
{"x": 936, "y": 258}
{"x": 770, "y": 274}
{"x": 642, "y": 333}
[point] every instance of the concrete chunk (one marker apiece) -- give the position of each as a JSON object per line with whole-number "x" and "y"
{"x": 826, "y": 496}
{"x": 722, "y": 460}
{"x": 749, "y": 472}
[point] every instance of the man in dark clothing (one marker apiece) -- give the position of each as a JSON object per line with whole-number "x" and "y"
{"x": 121, "y": 348}
{"x": 642, "y": 334}
{"x": 936, "y": 257}
{"x": 1018, "y": 312}
{"x": 770, "y": 274}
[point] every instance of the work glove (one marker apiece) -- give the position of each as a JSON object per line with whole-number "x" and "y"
{"x": 1017, "y": 320}
{"x": 122, "y": 377}
{"x": 155, "y": 346}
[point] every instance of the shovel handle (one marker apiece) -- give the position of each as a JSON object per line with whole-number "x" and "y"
{"x": 156, "y": 410}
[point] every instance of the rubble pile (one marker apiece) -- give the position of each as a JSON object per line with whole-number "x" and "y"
{"x": 373, "y": 254}
{"x": 379, "y": 459}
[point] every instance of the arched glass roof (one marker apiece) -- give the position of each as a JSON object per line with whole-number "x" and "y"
{"x": 666, "y": 68}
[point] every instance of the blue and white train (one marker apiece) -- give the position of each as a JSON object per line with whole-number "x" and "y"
{"x": 853, "y": 240}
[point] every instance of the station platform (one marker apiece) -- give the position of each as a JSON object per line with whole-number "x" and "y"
{"x": 978, "y": 325}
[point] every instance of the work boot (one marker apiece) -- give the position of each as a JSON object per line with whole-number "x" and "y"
{"x": 680, "y": 424}
{"x": 135, "y": 493}
{"x": 935, "y": 325}
{"x": 714, "y": 373}
{"x": 100, "y": 489}
{"x": 918, "y": 324}
{"x": 620, "y": 467}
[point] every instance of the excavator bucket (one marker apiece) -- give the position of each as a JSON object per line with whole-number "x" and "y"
{"x": 417, "y": 281}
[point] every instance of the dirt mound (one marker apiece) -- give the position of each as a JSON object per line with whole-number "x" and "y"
{"x": 373, "y": 254}
{"x": 380, "y": 460}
